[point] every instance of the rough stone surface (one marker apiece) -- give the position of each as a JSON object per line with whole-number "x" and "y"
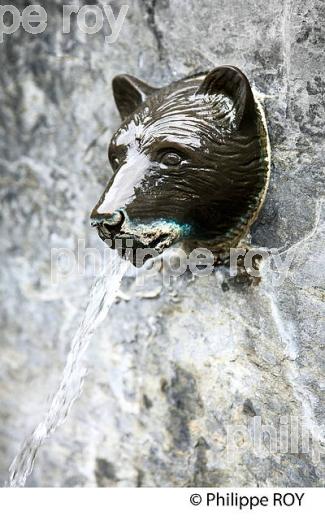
{"x": 173, "y": 369}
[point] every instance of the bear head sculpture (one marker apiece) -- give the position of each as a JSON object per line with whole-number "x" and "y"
{"x": 190, "y": 162}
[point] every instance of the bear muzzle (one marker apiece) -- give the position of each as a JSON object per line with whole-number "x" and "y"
{"x": 108, "y": 224}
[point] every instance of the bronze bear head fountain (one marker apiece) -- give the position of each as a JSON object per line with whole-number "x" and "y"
{"x": 191, "y": 164}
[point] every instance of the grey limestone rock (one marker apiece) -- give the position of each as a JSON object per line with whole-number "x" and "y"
{"x": 173, "y": 390}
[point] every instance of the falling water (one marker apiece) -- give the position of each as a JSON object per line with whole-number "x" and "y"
{"x": 101, "y": 298}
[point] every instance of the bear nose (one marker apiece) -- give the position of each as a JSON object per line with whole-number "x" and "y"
{"x": 107, "y": 221}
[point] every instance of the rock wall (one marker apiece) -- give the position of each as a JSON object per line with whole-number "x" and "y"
{"x": 178, "y": 374}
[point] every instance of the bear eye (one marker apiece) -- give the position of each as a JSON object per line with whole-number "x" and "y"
{"x": 171, "y": 159}
{"x": 115, "y": 162}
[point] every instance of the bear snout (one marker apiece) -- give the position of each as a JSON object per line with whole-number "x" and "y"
{"x": 107, "y": 224}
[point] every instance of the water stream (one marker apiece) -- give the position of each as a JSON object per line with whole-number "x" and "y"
{"x": 101, "y": 298}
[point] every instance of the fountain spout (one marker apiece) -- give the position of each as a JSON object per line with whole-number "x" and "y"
{"x": 190, "y": 161}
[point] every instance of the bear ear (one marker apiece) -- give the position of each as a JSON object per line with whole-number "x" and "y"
{"x": 129, "y": 93}
{"x": 232, "y": 82}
